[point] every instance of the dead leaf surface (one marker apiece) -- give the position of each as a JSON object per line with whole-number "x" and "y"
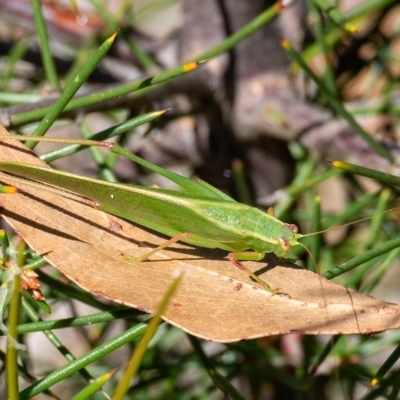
{"x": 215, "y": 301}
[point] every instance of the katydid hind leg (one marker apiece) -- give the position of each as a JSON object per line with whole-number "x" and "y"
{"x": 162, "y": 246}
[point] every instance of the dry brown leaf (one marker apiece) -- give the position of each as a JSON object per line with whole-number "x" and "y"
{"x": 216, "y": 301}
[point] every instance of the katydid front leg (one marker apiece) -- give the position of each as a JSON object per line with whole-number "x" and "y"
{"x": 250, "y": 256}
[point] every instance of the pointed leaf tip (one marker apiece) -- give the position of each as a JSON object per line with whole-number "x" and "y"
{"x": 112, "y": 37}
{"x": 161, "y": 112}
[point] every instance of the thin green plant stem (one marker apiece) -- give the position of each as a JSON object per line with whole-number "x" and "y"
{"x": 296, "y": 189}
{"x": 6, "y": 293}
{"x": 301, "y": 183}
{"x": 12, "y": 337}
{"x": 142, "y": 57}
{"x": 4, "y": 301}
{"x": 16, "y": 53}
{"x": 94, "y": 386}
{"x": 54, "y": 340}
{"x": 97, "y": 156}
{"x": 47, "y": 58}
{"x": 13, "y": 319}
{"x": 354, "y": 208}
{"x": 362, "y": 258}
{"x": 378, "y": 217}
{"x": 276, "y": 373}
{"x": 315, "y": 241}
{"x": 107, "y": 17}
{"x": 105, "y": 316}
{"x": 36, "y": 264}
{"x": 219, "y": 380}
{"x": 239, "y": 178}
{"x": 329, "y": 348}
{"x": 382, "y": 177}
{"x": 140, "y": 350}
{"x": 71, "y": 89}
{"x": 394, "y": 395}
{"x": 81, "y": 58}
{"x": 308, "y": 349}
{"x": 24, "y": 374}
{"x": 125, "y": 10}
{"x": 304, "y": 170}
{"x": 108, "y": 133}
{"x": 336, "y": 16}
{"x": 61, "y": 373}
{"x": 141, "y": 86}
{"x": 328, "y": 74}
{"x": 336, "y": 103}
{"x": 149, "y": 8}
{"x": 364, "y": 9}
{"x": 381, "y": 272}
{"x": 357, "y": 277}
{"x": 366, "y": 347}
{"x": 5, "y": 246}
{"x": 244, "y": 32}
{"x": 378, "y": 391}
{"x": 19, "y": 98}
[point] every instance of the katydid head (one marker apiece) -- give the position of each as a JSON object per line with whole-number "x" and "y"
{"x": 287, "y": 239}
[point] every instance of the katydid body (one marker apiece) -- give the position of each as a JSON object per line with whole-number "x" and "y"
{"x": 212, "y": 219}
{"x": 200, "y": 215}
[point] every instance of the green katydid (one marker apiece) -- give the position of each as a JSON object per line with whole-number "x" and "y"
{"x": 201, "y": 215}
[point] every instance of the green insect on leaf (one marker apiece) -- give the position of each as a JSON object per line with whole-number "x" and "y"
{"x": 213, "y": 302}
{"x": 200, "y": 215}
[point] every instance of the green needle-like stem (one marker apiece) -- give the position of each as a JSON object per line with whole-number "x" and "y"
{"x": 71, "y": 89}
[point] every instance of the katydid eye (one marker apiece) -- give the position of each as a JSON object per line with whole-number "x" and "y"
{"x": 284, "y": 244}
{"x": 294, "y": 228}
